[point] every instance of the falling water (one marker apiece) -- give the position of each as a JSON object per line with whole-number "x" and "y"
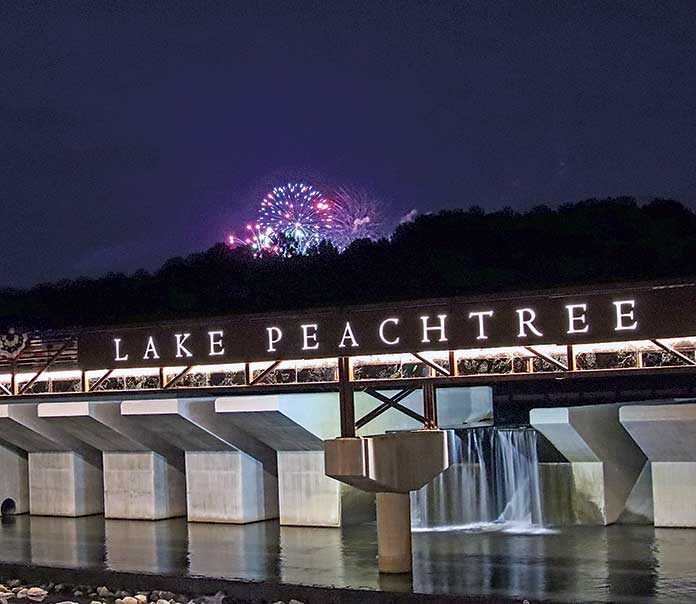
{"x": 492, "y": 484}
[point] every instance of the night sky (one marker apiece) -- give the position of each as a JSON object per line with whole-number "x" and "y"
{"x": 132, "y": 132}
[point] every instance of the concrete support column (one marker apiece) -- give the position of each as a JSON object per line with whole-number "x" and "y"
{"x": 667, "y": 435}
{"x": 64, "y": 484}
{"x": 230, "y": 475}
{"x": 142, "y": 486}
{"x": 143, "y": 474}
{"x": 65, "y": 474}
{"x": 14, "y": 481}
{"x": 392, "y": 465}
{"x": 294, "y": 425}
{"x": 229, "y": 486}
{"x": 605, "y": 463}
{"x": 394, "y": 532}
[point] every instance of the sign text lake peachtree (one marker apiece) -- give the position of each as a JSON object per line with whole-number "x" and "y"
{"x": 604, "y": 316}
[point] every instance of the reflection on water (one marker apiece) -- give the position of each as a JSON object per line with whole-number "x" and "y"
{"x": 618, "y": 564}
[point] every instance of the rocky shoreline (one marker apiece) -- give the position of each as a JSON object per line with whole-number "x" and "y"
{"x": 16, "y": 591}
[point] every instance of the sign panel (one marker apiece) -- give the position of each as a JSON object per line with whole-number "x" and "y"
{"x": 458, "y": 323}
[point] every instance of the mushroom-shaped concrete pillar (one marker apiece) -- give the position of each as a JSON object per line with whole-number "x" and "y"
{"x": 390, "y": 465}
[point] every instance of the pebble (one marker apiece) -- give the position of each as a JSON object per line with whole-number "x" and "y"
{"x": 162, "y": 601}
{"x": 36, "y": 594}
{"x": 95, "y": 602}
{"x": 118, "y": 601}
{"x": 14, "y": 583}
{"x": 21, "y": 592}
{"x": 3, "y": 589}
{"x": 142, "y": 598}
{"x": 293, "y": 601}
{"x": 121, "y": 594}
{"x": 130, "y": 600}
{"x": 104, "y": 592}
{"x": 166, "y": 595}
{"x": 68, "y": 602}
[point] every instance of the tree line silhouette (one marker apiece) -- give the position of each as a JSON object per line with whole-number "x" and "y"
{"x": 447, "y": 253}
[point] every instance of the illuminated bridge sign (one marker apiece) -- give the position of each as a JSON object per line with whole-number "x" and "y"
{"x": 603, "y": 315}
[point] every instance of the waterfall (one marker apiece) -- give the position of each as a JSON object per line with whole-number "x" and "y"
{"x": 492, "y": 484}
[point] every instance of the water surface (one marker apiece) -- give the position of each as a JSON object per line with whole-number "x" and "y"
{"x": 637, "y": 565}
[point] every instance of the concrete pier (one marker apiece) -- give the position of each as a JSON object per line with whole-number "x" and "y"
{"x": 65, "y": 475}
{"x": 14, "y": 481}
{"x": 296, "y": 426}
{"x": 391, "y": 465}
{"x": 144, "y": 476}
{"x": 667, "y": 435}
{"x": 394, "y": 532}
{"x": 605, "y": 463}
{"x": 230, "y": 475}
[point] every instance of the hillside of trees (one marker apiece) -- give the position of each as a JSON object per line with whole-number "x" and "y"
{"x": 448, "y": 253}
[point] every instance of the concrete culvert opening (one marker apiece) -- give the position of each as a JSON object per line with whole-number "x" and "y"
{"x": 8, "y": 507}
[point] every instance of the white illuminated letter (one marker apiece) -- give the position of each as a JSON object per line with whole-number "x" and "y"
{"x": 181, "y": 350}
{"x": 427, "y": 329}
{"x": 216, "y": 348}
{"x": 274, "y": 336}
{"x": 348, "y": 334}
{"x": 307, "y": 336}
{"x": 527, "y": 323}
{"x": 622, "y": 314}
{"x": 382, "y": 337}
{"x": 480, "y": 315}
{"x": 150, "y": 350}
{"x": 117, "y": 356}
{"x": 574, "y": 318}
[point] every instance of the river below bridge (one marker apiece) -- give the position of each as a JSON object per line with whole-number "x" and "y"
{"x": 633, "y": 564}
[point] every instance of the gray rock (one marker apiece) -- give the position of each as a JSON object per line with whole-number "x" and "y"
{"x": 166, "y": 595}
{"x": 121, "y": 594}
{"x": 141, "y": 598}
{"x": 161, "y": 601}
{"x": 21, "y": 592}
{"x": 68, "y": 602}
{"x": 36, "y": 594}
{"x": 130, "y": 600}
{"x": 95, "y": 602}
{"x": 104, "y": 592}
{"x": 14, "y": 583}
{"x": 293, "y": 601}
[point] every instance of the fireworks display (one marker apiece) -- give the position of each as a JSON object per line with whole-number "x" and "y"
{"x": 356, "y": 215}
{"x": 299, "y": 212}
{"x": 295, "y": 217}
{"x": 259, "y": 239}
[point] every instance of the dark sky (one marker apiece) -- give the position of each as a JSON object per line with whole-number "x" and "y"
{"x": 131, "y": 132}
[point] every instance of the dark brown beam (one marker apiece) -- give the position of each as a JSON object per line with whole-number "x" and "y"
{"x": 178, "y": 377}
{"x": 454, "y": 370}
{"x": 101, "y": 380}
{"x": 676, "y": 353}
{"x": 393, "y": 402}
{"x": 48, "y": 364}
{"x": 434, "y": 366}
{"x": 387, "y": 403}
{"x": 262, "y": 376}
{"x": 546, "y": 357}
{"x": 430, "y": 406}
{"x": 247, "y": 373}
{"x": 572, "y": 360}
{"x": 346, "y": 399}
